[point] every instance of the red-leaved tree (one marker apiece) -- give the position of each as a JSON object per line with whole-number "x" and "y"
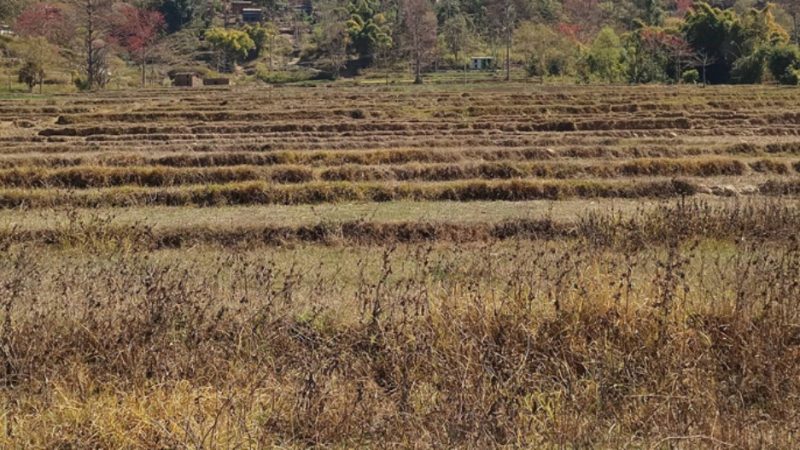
{"x": 587, "y": 15}
{"x": 47, "y": 20}
{"x": 683, "y": 6}
{"x": 136, "y": 30}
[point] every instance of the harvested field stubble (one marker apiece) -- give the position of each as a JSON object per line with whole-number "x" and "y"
{"x": 766, "y": 220}
{"x": 96, "y": 177}
{"x": 262, "y": 193}
{"x": 670, "y": 322}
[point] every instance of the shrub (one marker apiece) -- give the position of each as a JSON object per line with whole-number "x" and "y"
{"x": 233, "y": 45}
{"x": 81, "y": 84}
{"x": 792, "y": 76}
{"x": 691, "y": 76}
{"x": 749, "y": 69}
{"x": 783, "y": 63}
{"x": 32, "y": 73}
{"x": 284, "y": 76}
{"x": 533, "y": 67}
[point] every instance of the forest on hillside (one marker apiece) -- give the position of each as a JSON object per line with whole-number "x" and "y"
{"x": 89, "y": 43}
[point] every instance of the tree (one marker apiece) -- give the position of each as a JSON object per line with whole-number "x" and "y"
{"x": 32, "y": 73}
{"x": 331, "y": 36}
{"x": 260, "y": 37}
{"x": 651, "y": 12}
{"x": 35, "y": 52}
{"x": 657, "y": 54}
{"x": 274, "y": 9}
{"x": 784, "y": 64}
{"x": 545, "y": 51}
{"x": 583, "y": 18}
{"x": 605, "y": 56}
{"x": 92, "y": 22}
{"x": 232, "y": 46}
{"x": 419, "y": 22}
{"x": 447, "y": 9}
{"x": 725, "y": 38}
{"x": 47, "y": 20}
{"x": 703, "y": 60}
{"x": 368, "y": 28}
{"x": 646, "y": 55}
{"x": 137, "y": 30}
{"x": 716, "y": 33}
{"x": 456, "y": 33}
{"x": 10, "y": 8}
{"x": 792, "y": 7}
{"x": 504, "y": 14}
{"x": 177, "y": 13}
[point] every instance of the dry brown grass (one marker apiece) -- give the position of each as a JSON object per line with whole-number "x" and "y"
{"x": 523, "y": 343}
{"x": 773, "y": 221}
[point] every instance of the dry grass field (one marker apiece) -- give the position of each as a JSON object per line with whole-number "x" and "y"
{"x": 447, "y": 266}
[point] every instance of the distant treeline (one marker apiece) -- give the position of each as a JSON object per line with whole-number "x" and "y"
{"x": 635, "y": 41}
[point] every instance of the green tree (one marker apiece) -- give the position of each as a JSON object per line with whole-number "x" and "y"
{"x": 37, "y": 54}
{"x": 544, "y": 51}
{"x": 456, "y": 34}
{"x": 32, "y": 73}
{"x": 605, "y": 56}
{"x": 331, "y": 36}
{"x": 784, "y": 63}
{"x": 726, "y": 38}
{"x": 758, "y": 34}
{"x": 368, "y": 28}
{"x": 232, "y": 45}
{"x": 711, "y": 31}
{"x": 656, "y": 54}
{"x": 651, "y": 12}
{"x": 260, "y": 36}
{"x": 646, "y": 55}
{"x": 177, "y": 13}
{"x": 274, "y": 43}
{"x": 749, "y": 68}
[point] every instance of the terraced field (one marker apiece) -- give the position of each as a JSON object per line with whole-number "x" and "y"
{"x": 340, "y": 146}
{"x": 495, "y": 265}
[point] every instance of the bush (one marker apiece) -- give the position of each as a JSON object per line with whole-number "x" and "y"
{"x": 533, "y": 67}
{"x": 233, "y": 45}
{"x": 792, "y": 76}
{"x": 691, "y": 76}
{"x": 749, "y": 69}
{"x": 783, "y": 63}
{"x": 32, "y": 73}
{"x": 81, "y": 83}
{"x": 284, "y": 76}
